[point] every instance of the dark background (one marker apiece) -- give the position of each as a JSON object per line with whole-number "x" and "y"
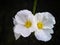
{"x": 8, "y": 9}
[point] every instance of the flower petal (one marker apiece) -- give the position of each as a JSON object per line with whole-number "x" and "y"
{"x": 48, "y": 26}
{"x": 20, "y": 29}
{"x": 48, "y": 18}
{"x": 38, "y": 16}
{"x": 16, "y": 36}
{"x": 43, "y": 36}
{"x": 22, "y": 16}
{"x": 49, "y": 31}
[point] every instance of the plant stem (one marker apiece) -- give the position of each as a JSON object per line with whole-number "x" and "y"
{"x": 34, "y": 6}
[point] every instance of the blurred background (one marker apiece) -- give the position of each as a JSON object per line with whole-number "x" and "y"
{"x": 8, "y": 9}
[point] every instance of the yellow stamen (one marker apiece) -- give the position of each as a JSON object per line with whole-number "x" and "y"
{"x": 28, "y": 24}
{"x": 40, "y": 25}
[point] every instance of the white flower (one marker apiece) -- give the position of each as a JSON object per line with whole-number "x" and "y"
{"x": 44, "y": 22}
{"x": 41, "y": 24}
{"x": 23, "y": 23}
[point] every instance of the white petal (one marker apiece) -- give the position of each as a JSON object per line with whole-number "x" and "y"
{"x": 22, "y": 16}
{"x": 38, "y": 16}
{"x": 20, "y": 29}
{"x": 32, "y": 29}
{"x": 43, "y": 36}
{"x": 48, "y": 18}
{"x": 16, "y": 36}
{"x": 49, "y": 31}
{"x": 48, "y": 26}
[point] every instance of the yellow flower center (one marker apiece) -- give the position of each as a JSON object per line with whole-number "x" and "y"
{"x": 40, "y": 25}
{"x": 28, "y": 24}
